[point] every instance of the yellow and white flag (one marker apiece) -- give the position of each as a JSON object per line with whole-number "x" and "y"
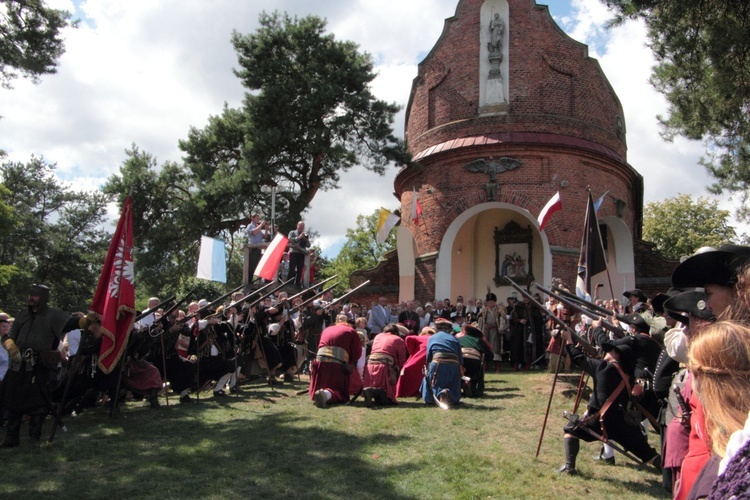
{"x": 385, "y": 223}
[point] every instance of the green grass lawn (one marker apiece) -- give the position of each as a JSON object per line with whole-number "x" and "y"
{"x": 272, "y": 443}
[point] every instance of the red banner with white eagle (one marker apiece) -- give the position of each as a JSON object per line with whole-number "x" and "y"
{"x": 114, "y": 300}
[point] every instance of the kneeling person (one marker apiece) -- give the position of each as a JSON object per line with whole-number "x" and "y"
{"x": 442, "y": 382}
{"x": 383, "y": 367}
{"x": 475, "y": 351}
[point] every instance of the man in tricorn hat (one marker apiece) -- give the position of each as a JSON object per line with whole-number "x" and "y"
{"x": 493, "y": 322}
{"x": 36, "y": 332}
{"x": 716, "y": 272}
{"x": 635, "y": 297}
{"x": 605, "y": 415}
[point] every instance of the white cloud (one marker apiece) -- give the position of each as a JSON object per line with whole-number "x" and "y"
{"x": 145, "y": 71}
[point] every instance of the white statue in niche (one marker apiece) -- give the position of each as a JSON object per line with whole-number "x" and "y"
{"x": 495, "y": 92}
{"x": 497, "y": 29}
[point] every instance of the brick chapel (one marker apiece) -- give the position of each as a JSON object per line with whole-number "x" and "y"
{"x": 505, "y": 111}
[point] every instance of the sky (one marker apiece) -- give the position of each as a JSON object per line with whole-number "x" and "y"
{"x": 144, "y": 71}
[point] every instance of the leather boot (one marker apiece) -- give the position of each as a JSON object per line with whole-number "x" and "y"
{"x": 572, "y": 445}
{"x": 35, "y": 428}
{"x": 12, "y": 431}
{"x": 153, "y": 399}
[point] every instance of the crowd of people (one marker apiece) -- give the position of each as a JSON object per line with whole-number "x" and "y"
{"x": 682, "y": 367}
{"x": 678, "y": 362}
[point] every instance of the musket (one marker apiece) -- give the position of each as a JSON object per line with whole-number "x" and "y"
{"x": 200, "y": 312}
{"x": 155, "y": 308}
{"x": 595, "y": 309}
{"x": 350, "y": 292}
{"x": 311, "y": 299}
{"x": 575, "y": 421}
{"x": 262, "y": 297}
{"x": 561, "y": 324}
{"x": 599, "y": 312}
{"x": 590, "y": 350}
{"x": 177, "y": 304}
{"x": 300, "y": 294}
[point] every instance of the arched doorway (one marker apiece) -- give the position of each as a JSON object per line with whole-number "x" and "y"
{"x": 466, "y": 264}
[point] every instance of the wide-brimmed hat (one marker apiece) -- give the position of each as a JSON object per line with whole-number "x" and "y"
{"x": 636, "y": 293}
{"x": 657, "y": 303}
{"x": 716, "y": 267}
{"x": 627, "y": 356}
{"x": 637, "y": 321}
{"x": 689, "y": 303}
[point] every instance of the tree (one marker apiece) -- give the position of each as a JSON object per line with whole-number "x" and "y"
{"x": 53, "y": 236}
{"x": 308, "y": 116}
{"x": 679, "y": 226}
{"x": 31, "y": 40}
{"x": 702, "y": 50}
{"x": 169, "y": 217}
{"x": 361, "y": 250}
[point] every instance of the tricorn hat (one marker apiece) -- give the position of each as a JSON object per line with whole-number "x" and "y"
{"x": 717, "y": 267}
{"x": 636, "y": 293}
{"x": 689, "y": 303}
{"x": 637, "y": 321}
{"x": 627, "y": 356}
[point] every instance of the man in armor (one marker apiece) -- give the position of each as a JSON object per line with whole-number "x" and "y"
{"x": 33, "y": 338}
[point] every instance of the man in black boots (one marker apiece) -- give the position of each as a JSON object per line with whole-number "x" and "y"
{"x": 31, "y": 344}
{"x": 605, "y": 417}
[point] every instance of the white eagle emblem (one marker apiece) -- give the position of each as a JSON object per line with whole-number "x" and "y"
{"x": 123, "y": 268}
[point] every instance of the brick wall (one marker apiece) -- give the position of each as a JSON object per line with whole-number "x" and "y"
{"x": 553, "y": 85}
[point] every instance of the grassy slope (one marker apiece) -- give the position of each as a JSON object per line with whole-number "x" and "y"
{"x": 273, "y": 443}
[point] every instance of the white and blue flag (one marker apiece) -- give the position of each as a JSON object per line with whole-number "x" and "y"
{"x": 212, "y": 262}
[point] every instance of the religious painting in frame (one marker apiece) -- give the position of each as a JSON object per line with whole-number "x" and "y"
{"x": 513, "y": 254}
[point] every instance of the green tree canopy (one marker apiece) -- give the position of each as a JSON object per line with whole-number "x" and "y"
{"x": 169, "y": 217}
{"x": 52, "y": 235}
{"x": 361, "y": 251}
{"x": 30, "y": 39}
{"x": 308, "y": 116}
{"x": 702, "y": 50}
{"x": 679, "y": 226}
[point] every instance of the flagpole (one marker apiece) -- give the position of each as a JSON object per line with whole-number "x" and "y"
{"x": 609, "y": 276}
{"x": 426, "y": 229}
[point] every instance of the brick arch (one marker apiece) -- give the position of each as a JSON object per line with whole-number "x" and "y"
{"x": 443, "y": 268}
{"x": 507, "y": 196}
